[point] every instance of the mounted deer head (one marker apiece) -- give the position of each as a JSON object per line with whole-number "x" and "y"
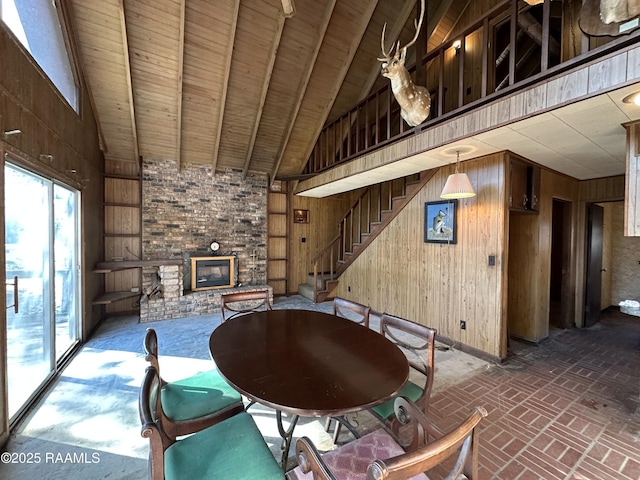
{"x": 414, "y": 100}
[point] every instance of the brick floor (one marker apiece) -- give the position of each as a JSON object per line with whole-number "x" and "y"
{"x": 568, "y": 408}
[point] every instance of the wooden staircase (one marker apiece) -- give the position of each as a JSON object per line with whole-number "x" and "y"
{"x": 367, "y": 217}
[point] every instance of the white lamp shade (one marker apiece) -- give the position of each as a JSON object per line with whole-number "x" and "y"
{"x": 458, "y": 186}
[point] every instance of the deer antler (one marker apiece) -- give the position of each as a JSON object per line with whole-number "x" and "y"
{"x": 417, "y": 25}
{"x": 388, "y": 55}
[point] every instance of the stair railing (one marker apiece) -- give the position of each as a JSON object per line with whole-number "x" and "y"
{"x": 326, "y": 259}
{"x": 356, "y": 222}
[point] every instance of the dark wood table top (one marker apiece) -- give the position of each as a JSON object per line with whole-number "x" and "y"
{"x": 308, "y": 363}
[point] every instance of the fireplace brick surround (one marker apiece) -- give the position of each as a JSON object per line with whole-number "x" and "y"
{"x": 182, "y": 212}
{"x": 173, "y": 303}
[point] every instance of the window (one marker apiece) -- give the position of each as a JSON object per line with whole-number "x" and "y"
{"x": 35, "y": 23}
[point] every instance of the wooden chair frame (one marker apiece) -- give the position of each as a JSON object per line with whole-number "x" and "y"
{"x": 227, "y": 299}
{"x": 149, "y": 409}
{"x": 421, "y": 456}
{"x": 341, "y": 306}
{"x": 421, "y": 354}
{"x": 174, "y": 428}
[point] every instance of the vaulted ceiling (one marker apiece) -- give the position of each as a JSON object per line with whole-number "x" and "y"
{"x": 232, "y": 83}
{"x": 237, "y": 84}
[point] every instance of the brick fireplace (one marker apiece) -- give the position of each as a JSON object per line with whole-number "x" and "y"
{"x": 182, "y": 212}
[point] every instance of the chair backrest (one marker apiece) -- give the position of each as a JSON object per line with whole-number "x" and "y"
{"x": 352, "y": 310}
{"x": 150, "y": 346}
{"x": 462, "y": 440}
{"x": 197, "y": 408}
{"x": 453, "y": 455}
{"x": 150, "y": 408}
{"x": 418, "y": 343}
{"x": 239, "y": 303}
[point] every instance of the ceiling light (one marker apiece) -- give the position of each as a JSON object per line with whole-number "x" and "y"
{"x": 633, "y": 98}
{"x": 458, "y": 184}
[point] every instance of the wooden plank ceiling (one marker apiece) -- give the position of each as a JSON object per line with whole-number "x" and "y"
{"x": 231, "y": 83}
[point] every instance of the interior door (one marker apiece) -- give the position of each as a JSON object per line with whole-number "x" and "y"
{"x": 595, "y": 215}
{"x": 41, "y": 257}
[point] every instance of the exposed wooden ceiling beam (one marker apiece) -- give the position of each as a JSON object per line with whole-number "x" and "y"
{"x": 302, "y": 89}
{"x": 223, "y": 97}
{"x": 80, "y": 70}
{"x": 263, "y": 95}
{"x": 339, "y": 78}
{"x": 180, "y": 87}
{"x": 289, "y": 8}
{"x": 132, "y": 113}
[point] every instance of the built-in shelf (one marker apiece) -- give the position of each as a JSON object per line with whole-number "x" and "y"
{"x": 115, "y": 266}
{"x": 107, "y": 267}
{"x": 110, "y": 297}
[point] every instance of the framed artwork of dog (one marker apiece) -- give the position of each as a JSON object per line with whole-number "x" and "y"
{"x": 440, "y": 221}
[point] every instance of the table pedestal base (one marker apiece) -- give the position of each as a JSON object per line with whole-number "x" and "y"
{"x": 287, "y": 437}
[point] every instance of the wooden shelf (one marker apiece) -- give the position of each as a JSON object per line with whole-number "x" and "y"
{"x": 111, "y": 297}
{"x": 107, "y": 267}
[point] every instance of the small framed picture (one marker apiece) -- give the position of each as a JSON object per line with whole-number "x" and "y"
{"x": 440, "y": 221}
{"x": 301, "y": 216}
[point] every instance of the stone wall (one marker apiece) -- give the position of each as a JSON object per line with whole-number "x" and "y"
{"x": 170, "y": 300}
{"x": 184, "y": 211}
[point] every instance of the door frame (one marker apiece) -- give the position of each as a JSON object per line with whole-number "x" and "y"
{"x": 23, "y": 161}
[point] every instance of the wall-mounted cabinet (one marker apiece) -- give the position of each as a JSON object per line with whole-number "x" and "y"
{"x": 524, "y": 187}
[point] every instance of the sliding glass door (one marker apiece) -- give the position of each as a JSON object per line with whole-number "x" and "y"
{"x": 41, "y": 255}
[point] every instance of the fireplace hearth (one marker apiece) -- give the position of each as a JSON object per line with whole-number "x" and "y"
{"x": 208, "y": 273}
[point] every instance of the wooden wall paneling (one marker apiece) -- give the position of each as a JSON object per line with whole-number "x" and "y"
{"x": 473, "y": 54}
{"x": 632, "y": 183}
{"x": 530, "y": 240}
{"x": 324, "y": 218}
{"x": 120, "y": 220}
{"x": 278, "y": 240}
{"x": 523, "y": 283}
{"x": 401, "y": 274}
{"x": 122, "y": 191}
{"x": 488, "y": 178}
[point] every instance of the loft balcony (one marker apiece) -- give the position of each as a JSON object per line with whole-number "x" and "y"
{"x": 513, "y": 62}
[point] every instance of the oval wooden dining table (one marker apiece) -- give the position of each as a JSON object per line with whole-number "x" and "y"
{"x": 307, "y": 363}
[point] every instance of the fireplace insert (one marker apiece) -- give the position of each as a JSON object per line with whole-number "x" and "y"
{"x": 213, "y": 272}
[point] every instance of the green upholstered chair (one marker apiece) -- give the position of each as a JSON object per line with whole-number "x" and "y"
{"x": 233, "y": 448}
{"x": 418, "y": 343}
{"x": 239, "y": 303}
{"x": 377, "y": 455}
{"x": 193, "y": 403}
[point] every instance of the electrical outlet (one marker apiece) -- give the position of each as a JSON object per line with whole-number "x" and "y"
{"x": 463, "y": 325}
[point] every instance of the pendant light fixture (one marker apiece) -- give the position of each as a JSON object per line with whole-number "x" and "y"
{"x": 458, "y": 184}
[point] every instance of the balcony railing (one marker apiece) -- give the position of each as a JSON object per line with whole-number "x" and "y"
{"x": 511, "y": 46}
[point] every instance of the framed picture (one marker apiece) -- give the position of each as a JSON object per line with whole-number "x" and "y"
{"x": 440, "y": 221}
{"x": 301, "y": 216}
